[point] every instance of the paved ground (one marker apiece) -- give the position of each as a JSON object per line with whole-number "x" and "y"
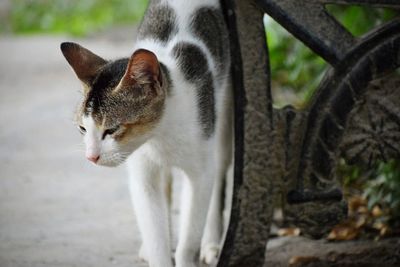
{"x": 56, "y": 209}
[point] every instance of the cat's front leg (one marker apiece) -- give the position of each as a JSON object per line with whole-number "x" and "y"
{"x": 195, "y": 202}
{"x": 149, "y": 201}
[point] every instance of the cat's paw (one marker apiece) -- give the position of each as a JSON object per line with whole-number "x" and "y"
{"x": 143, "y": 254}
{"x": 209, "y": 253}
{"x": 187, "y": 258}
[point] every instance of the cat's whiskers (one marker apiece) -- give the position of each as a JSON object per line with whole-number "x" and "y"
{"x": 114, "y": 157}
{"x": 120, "y": 157}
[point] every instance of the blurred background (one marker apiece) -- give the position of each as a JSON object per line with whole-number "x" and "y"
{"x": 295, "y": 69}
{"x": 42, "y": 168}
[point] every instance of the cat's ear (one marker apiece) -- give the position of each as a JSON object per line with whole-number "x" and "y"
{"x": 143, "y": 69}
{"x": 85, "y": 63}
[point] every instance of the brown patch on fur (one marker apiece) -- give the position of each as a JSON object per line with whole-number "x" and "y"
{"x": 133, "y": 130}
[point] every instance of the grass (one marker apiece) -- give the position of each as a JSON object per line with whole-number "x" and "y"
{"x": 75, "y": 17}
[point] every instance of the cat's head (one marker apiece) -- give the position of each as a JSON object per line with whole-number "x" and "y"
{"x": 123, "y": 102}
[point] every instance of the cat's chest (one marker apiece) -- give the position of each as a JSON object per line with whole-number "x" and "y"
{"x": 173, "y": 153}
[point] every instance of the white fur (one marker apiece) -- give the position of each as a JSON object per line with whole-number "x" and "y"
{"x": 92, "y": 138}
{"x": 176, "y": 142}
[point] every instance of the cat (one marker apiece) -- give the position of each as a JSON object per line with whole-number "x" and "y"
{"x": 166, "y": 109}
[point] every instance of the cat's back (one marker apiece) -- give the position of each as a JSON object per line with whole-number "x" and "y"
{"x": 190, "y": 38}
{"x": 184, "y": 28}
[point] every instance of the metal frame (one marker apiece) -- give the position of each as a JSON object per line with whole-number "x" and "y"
{"x": 295, "y": 151}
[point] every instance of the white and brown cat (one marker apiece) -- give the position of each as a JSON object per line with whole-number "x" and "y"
{"x": 165, "y": 108}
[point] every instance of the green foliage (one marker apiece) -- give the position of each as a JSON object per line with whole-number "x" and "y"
{"x": 294, "y": 67}
{"x": 76, "y": 17}
{"x": 384, "y": 188}
{"x": 351, "y": 175}
{"x": 379, "y": 184}
{"x": 359, "y": 20}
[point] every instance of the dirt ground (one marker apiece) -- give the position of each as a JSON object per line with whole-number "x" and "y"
{"x": 57, "y": 210}
{"x": 300, "y": 251}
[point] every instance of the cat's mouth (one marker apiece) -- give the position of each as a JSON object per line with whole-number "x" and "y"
{"x": 112, "y": 159}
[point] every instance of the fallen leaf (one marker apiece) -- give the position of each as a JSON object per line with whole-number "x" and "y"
{"x": 292, "y": 231}
{"x": 363, "y": 210}
{"x": 343, "y": 232}
{"x": 297, "y": 260}
{"x": 377, "y": 211}
{"x": 360, "y": 221}
{"x": 378, "y": 225}
{"x": 385, "y": 230}
{"x": 356, "y": 202}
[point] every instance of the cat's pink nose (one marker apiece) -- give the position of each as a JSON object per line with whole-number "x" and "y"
{"x": 93, "y": 159}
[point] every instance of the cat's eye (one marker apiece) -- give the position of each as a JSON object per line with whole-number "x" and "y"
{"x": 82, "y": 129}
{"x": 110, "y": 131}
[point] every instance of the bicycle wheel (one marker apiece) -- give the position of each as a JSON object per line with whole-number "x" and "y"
{"x": 351, "y": 112}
